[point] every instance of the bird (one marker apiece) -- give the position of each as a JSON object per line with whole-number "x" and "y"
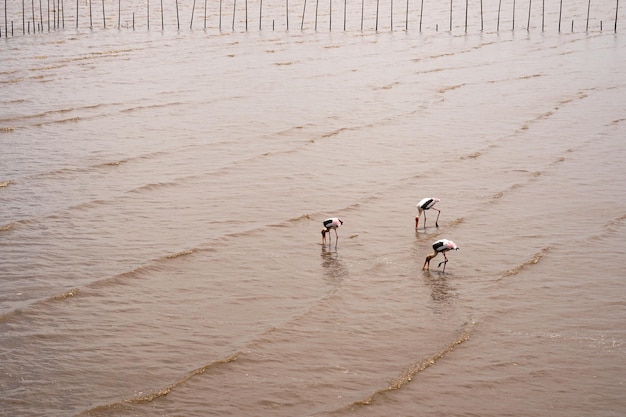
{"x": 427, "y": 204}
{"x": 331, "y": 223}
{"x": 441, "y": 246}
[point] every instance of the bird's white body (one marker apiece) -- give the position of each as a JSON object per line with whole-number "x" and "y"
{"x": 444, "y": 245}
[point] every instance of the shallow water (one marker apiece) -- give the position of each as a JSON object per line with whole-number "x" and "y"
{"x": 163, "y": 192}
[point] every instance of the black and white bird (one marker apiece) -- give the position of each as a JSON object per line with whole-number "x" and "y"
{"x": 331, "y": 224}
{"x": 441, "y": 246}
{"x": 424, "y": 205}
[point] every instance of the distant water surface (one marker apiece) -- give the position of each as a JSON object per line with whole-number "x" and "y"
{"x": 162, "y": 195}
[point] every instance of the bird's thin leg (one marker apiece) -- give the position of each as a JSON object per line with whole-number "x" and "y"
{"x": 336, "y": 238}
{"x": 438, "y": 213}
{"x": 443, "y": 262}
{"x": 424, "y": 219}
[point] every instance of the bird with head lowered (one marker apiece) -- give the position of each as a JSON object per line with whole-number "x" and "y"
{"x": 424, "y": 205}
{"x": 441, "y": 246}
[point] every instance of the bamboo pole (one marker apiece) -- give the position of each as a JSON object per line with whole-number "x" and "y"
{"x": 177, "y": 17}
{"x": 317, "y": 3}
{"x": 530, "y": 3}
{"x": 260, "y": 13}
{"x": 330, "y": 15}
{"x": 466, "y": 7}
{"x": 615, "y": 29}
{"x": 450, "y": 15}
{"x": 588, "y": 9}
{"x": 560, "y": 14}
{"x": 104, "y": 22}
{"x": 513, "y": 15}
{"x": 162, "y": 17}
{"x": 287, "y": 13}
{"x": 499, "y": 8}
{"x": 406, "y": 16}
{"x": 362, "y": 11}
{"x": 377, "y": 2}
{"x": 421, "y": 14}
{"x": 303, "y": 11}
{"x": 391, "y": 16}
{"x": 147, "y": 14}
{"x": 193, "y": 9}
{"x": 234, "y": 10}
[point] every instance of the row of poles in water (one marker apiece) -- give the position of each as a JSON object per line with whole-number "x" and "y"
{"x": 58, "y": 11}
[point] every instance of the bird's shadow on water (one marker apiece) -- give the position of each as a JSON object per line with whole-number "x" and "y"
{"x": 334, "y": 268}
{"x": 442, "y": 294}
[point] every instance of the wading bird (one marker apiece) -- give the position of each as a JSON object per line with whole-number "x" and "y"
{"x": 332, "y": 223}
{"x": 427, "y": 204}
{"x": 441, "y": 246}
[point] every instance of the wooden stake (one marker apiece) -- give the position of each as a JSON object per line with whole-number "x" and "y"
{"x": 513, "y": 15}
{"x": 499, "y": 6}
{"x": 421, "y": 14}
{"x": 406, "y": 16}
{"x": 481, "y": 15}
{"x": 362, "y": 11}
{"x": 234, "y": 10}
{"x": 377, "y": 1}
{"x": 193, "y": 9}
{"x": 466, "y": 7}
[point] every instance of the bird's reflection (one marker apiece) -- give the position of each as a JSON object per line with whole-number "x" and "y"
{"x": 334, "y": 268}
{"x": 442, "y": 294}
